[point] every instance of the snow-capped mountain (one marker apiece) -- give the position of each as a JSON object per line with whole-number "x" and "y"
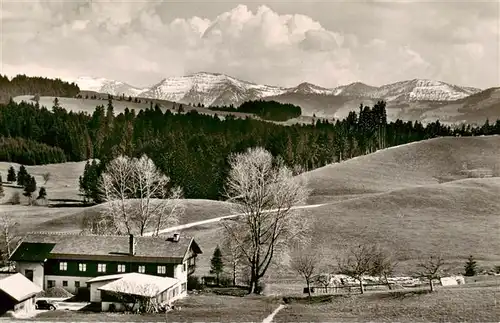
{"x": 409, "y": 91}
{"x": 308, "y": 88}
{"x": 212, "y": 89}
{"x": 102, "y": 85}
{"x": 209, "y": 89}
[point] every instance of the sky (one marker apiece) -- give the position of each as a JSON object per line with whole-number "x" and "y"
{"x": 328, "y": 43}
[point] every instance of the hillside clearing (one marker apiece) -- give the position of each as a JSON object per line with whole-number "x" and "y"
{"x": 63, "y": 182}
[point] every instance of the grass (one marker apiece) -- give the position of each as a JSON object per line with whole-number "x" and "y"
{"x": 195, "y": 308}
{"x": 63, "y": 182}
{"x": 445, "y": 304}
{"x": 421, "y": 163}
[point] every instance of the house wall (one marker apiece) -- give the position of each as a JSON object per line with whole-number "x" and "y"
{"x": 52, "y": 268}
{"x": 95, "y": 293}
{"x": 166, "y": 297}
{"x": 38, "y": 271}
{"x": 26, "y": 306}
{"x": 8, "y": 304}
{"x": 70, "y": 279}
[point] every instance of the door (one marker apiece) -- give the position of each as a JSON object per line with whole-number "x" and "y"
{"x": 29, "y": 274}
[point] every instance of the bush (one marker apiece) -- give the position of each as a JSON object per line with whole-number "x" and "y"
{"x": 15, "y": 199}
{"x": 225, "y": 281}
{"x": 193, "y": 282}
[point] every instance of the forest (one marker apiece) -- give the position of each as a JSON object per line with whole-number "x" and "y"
{"x": 192, "y": 148}
{"x": 267, "y": 110}
{"x": 41, "y": 86}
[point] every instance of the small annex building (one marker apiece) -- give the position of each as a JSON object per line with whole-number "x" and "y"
{"x": 126, "y": 290}
{"x": 17, "y": 293}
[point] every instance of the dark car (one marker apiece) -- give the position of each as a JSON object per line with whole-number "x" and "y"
{"x": 43, "y": 304}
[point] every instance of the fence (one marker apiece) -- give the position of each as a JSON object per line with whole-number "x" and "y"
{"x": 346, "y": 289}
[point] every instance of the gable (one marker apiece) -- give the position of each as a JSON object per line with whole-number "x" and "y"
{"x": 29, "y": 251}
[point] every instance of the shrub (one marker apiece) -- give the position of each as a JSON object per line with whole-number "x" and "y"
{"x": 193, "y": 282}
{"x": 15, "y": 199}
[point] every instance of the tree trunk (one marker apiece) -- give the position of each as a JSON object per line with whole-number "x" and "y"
{"x": 308, "y": 288}
{"x": 361, "y": 285}
{"x": 234, "y": 273}
{"x": 431, "y": 285}
{"x": 217, "y": 276}
{"x": 387, "y": 282}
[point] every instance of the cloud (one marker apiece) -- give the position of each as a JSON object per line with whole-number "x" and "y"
{"x": 134, "y": 41}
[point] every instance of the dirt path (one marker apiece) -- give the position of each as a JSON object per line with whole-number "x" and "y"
{"x": 269, "y": 319}
{"x": 194, "y": 224}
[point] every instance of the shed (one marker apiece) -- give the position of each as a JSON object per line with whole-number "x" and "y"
{"x": 17, "y": 293}
{"x": 117, "y": 290}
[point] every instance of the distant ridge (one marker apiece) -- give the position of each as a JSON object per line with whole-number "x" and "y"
{"x": 212, "y": 89}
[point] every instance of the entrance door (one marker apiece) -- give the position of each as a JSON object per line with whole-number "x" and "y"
{"x": 29, "y": 274}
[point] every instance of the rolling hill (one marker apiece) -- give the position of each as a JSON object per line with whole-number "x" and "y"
{"x": 416, "y": 199}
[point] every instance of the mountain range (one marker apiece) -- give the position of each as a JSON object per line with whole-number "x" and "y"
{"x": 417, "y": 99}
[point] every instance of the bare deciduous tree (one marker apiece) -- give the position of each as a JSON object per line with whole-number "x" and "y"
{"x": 383, "y": 266}
{"x": 305, "y": 263}
{"x": 138, "y": 196}
{"x": 430, "y": 269}
{"x": 7, "y": 235}
{"x": 46, "y": 177}
{"x": 358, "y": 262}
{"x": 233, "y": 257}
{"x": 257, "y": 184}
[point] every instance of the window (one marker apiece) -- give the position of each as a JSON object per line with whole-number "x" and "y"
{"x": 77, "y": 284}
{"x": 183, "y": 267}
{"x": 162, "y": 270}
{"x": 65, "y": 283}
{"x": 121, "y": 268}
{"x": 29, "y": 274}
{"x": 101, "y": 268}
{"x": 183, "y": 287}
{"x": 63, "y": 266}
{"x": 51, "y": 283}
{"x": 82, "y": 267}
{"x": 141, "y": 269}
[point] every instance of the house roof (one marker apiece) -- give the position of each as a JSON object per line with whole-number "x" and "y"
{"x": 33, "y": 251}
{"x": 140, "y": 284}
{"x": 105, "y": 278}
{"x": 46, "y": 245}
{"x": 18, "y": 287}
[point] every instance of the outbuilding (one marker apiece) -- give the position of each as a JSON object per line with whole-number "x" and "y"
{"x": 17, "y": 293}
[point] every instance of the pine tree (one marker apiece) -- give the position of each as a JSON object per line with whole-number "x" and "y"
{"x": 42, "y": 193}
{"x": 22, "y": 176}
{"x": 471, "y": 267}
{"x": 29, "y": 188}
{"x": 216, "y": 263}
{"x": 11, "y": 174}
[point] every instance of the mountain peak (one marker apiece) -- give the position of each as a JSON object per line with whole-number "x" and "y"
{"x": 211, "y": 88}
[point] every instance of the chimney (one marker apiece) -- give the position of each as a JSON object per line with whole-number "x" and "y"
{"x": 176, "y": 237}
{"x": 131, "y": 244}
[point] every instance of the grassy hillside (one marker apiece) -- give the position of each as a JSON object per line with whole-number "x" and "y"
{"x": 415, "y": 199}
{"x": 421, "y": 163}
{"x": 194, "y": 210}
{"x": 63, "y": 182}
